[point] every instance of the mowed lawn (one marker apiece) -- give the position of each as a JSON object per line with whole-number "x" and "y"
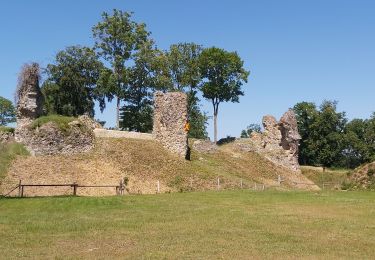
{"x": 210, "y": 225}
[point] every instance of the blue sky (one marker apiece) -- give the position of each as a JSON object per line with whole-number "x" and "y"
{"x": 296, "y": 50}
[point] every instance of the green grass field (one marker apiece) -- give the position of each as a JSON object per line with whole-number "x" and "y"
{"x": 229, "y": 225}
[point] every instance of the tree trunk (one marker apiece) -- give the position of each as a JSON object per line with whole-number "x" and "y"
{"x": 215, "y": 127}
{"x": 118, "y": 114}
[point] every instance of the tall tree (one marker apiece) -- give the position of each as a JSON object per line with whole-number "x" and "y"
{"x": 306, "y": 114}
{"x": 184, "y": 71}
{"x": 117, "y": 37}
{"x": 70, "y": 88}
{"x": 7, "y": 112}
{"x": 142, "y": 82}
{"x": 327, "y": 133}
{"x": 223, "y": 75}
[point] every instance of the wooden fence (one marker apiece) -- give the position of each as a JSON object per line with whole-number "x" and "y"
{"x": 21, "y": 187}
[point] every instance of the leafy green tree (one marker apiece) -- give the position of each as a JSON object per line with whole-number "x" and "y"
{"x": 184, "y": 72}
{"x": 7, "y": 112}
{"x": 198, "y": 122}
{"x": 70, "y": 88}
{"x": 117, "y": 38}
{"x": 223, "y": 75}
{"x": 142, "y": 83}
{"x": 246, "y": 133}
{"x": 306, "y": 114}
{"x": 327, "y": 133}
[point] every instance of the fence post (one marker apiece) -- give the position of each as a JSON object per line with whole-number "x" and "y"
{"x": 191, "y": 183}
{"x": 158, "y": 186}
{"x": 279, "y": 179}
{"x": 218, "y": 183}
{"x": 75, "y": 189}
{"x": 19, "y": 189}
{"x": 255, "y": 186}
{"x": 22, "y": 191}
{"x": 241, "y": 183}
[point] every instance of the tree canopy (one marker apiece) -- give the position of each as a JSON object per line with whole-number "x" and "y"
{"x": 223, "y": 75}
{"x": 70, "y": 87}
{"x": 117, "y": 38}
{"x": 7, "y": 111}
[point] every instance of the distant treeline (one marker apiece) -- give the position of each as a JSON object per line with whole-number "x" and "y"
{"x": 330, "y": 140}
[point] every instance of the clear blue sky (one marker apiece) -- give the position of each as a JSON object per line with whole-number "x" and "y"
{"x": 296, "y": 50}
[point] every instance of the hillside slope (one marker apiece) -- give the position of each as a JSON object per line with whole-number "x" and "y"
{"x": 145, "y": 162}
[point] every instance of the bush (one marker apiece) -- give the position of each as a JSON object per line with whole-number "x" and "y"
{"x": 62, "y": 122}
{"x": 226, "y": 140}
{"x": 6, "y": 129}
{"x": 347, "y": 185}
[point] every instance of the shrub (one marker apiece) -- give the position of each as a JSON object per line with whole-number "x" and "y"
{"x": 62, "y": 122}
{"x": 347, "y": 185}
{"x": 6, "y": 129}
{"x": 226, "y": 140}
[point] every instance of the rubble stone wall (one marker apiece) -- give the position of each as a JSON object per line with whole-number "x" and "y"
{"x": 29, "y": 96}
{"x": 170, "y": 116}
{"x": 6, "y": 136}
{"x": 279, "y": 141}
{"x": 49, "y": 139}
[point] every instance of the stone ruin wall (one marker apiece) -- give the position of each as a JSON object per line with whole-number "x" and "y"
{"x": 170, "y": 116}
{"x": 279, "y": 141}
{"x": 28, "y": 95}
{"x": 47, "y": 139}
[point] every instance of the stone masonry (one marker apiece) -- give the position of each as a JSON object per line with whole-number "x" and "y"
{"x": 170, "y": 116}
{"x": 280, "y": 140}
{"x": 28, "y": 95}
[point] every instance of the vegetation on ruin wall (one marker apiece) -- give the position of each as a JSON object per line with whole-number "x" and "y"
{"x": 8, "y": 152}
{"x": 6, "y": 129}
{"x": 61, "y": 121}
{"x": 209, "y": 225}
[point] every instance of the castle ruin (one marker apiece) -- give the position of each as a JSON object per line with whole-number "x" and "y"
{"x": 170, "y": 116}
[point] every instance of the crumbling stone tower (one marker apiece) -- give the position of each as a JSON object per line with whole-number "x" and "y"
{"x": 170, "y": 116}
{"x": 28, "y": 95}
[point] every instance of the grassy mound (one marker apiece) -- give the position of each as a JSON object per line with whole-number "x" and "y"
{"x": 61, "y": 121}
{"x": 144, "y": 163}
{"x": 210, "y": 225}
{"x": 8, "y": 152}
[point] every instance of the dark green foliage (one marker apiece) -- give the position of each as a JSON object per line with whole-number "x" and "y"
{"x": 246, "y": 133}
{"x": 6, "y": 129}
{"x": 7, "y": 112}
{"x": 182, "y": 62}
{"x": 329, "y": 140}
{"x": 198, "y": 122}
{"x": 226, "y": 140}
{"x": 70, "y": 88}
{"x": 223, "y": 75}
{"x": 136, "y": 114}
{"x": 117, "y": 38}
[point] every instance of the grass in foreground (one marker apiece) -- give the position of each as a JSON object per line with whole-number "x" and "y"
{"x": 229, "y": 225}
